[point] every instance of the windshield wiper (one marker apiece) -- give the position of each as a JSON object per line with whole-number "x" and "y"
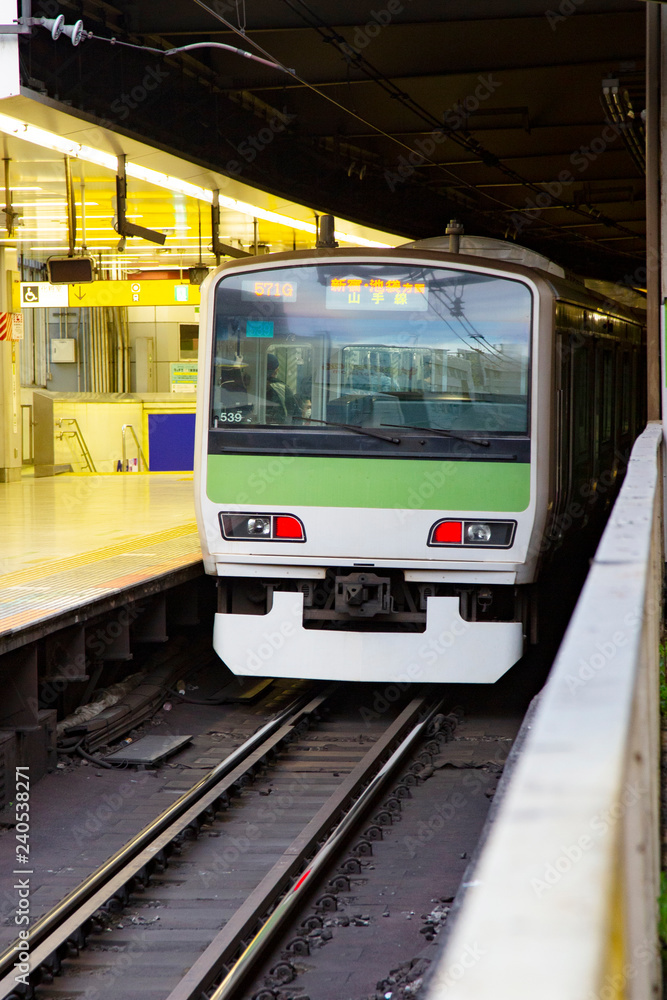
{"x": 356, "y": 429}
{"x": 482, "y": 442}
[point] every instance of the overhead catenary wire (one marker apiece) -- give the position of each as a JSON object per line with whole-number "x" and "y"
{"x": 350, "y": 111}
{"x": 460, "y": 137}
{"x": 272, "y": 63}
{"x": 464, "y": 139}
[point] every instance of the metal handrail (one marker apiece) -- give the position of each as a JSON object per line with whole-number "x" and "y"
{"x": 87, "y": 457}
{"x": 142, "y": 457}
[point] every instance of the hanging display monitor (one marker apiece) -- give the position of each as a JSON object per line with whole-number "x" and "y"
{"x": 70, "y": 270}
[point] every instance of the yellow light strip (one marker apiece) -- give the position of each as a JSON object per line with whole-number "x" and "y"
{"x": 166, "y": 181}
{"x": 49, "y": 140}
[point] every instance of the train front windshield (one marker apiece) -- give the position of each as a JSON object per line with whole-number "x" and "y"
{"x": 371, "y": 345}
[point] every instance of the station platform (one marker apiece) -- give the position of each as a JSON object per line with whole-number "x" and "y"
{"x": 70, "y": 540}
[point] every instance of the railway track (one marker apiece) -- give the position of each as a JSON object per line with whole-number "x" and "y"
{"x": 248, "y": 865}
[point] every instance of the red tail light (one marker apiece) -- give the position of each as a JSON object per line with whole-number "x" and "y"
{"x": 286, "y": 526}
{"x": 448, "y": 533}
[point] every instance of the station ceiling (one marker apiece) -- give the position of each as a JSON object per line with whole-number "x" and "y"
{"x": 396, "y": 115}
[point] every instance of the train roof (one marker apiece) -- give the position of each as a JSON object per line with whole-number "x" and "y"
{"x": 606, "y": 296}
{"x": 483, "y": 246}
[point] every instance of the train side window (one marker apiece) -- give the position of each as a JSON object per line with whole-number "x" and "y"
{"x": 634, "y": 386}
{"x": 581, "y": 398}
{"x": 564, "y": 356}
{"x": 626, "y": 396}
{"x": 607, "y": 395}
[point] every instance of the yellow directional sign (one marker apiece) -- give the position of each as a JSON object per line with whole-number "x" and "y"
{"x": 160, "y": 292}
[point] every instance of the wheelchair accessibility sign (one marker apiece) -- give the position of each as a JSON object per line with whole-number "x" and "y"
{"x": 42, "y": 295}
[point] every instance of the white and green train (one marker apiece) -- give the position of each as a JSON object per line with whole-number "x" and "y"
{"x": 392, "y": 443}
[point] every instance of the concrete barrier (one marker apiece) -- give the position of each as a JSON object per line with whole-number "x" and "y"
{"x": 563, "y": 903}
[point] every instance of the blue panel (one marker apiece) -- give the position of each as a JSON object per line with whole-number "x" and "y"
{"x": 259, "y": 328}
{"x": 171, "y": 442}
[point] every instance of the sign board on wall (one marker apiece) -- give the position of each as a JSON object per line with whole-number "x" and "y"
{"x": 183, "y": 376}
{"x": 17, "y": 326}
{"x": 11, "y": 326}
{"x": 161, "y": 292}
{"x": 42, "y": 295}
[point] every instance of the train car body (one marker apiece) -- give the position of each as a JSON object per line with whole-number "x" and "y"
{"x": 391, "y": 443}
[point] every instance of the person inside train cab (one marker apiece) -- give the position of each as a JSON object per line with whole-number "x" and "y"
{"x": 282, "y": 406}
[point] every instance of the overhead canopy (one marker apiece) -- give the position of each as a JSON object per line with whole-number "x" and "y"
{"x": 522, "y": 123}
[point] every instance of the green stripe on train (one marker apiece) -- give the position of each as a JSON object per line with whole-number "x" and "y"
{"x": 306, "y": 481}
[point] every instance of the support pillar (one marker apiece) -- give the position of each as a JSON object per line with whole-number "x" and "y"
{"x": 11, "y": 457}
{"x": 10, "y": 402}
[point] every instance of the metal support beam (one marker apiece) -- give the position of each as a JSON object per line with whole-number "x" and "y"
{"x": 122, "y": 226}
{"x": 562, "y": 66}
{"x": 221, "y": 249}
{"x": 23, "y": 25}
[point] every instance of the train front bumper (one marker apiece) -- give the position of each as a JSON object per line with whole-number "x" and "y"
{"x": 450, "y": 650}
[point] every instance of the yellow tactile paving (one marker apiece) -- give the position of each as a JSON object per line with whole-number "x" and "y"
{"x": 131, "y": 544}
{"x": 51, "y": 556}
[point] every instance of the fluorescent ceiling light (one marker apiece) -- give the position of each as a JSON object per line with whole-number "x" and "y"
{"x": 61, "y": 229}
{"x": 166, "y": 181}
{"x": 40, "y": 203}
{"x": 49, "y": 140}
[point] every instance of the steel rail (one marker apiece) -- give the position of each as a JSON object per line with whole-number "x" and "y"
{"x": 64, "y": 920}
{"x": 275, "y": 884}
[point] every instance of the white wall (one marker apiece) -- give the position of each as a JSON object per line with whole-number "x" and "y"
{"x": 162, "y": 323}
